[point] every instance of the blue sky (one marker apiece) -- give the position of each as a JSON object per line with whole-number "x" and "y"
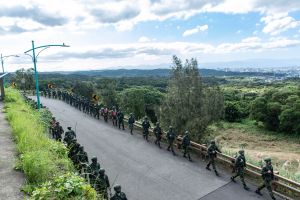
{"x": 146, "y": 33}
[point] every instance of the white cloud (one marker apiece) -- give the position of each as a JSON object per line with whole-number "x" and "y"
{"x": 278, "y": 23}
{"x": 124, "y": 15}
{"x": 251, "y": 39}
{"x": 144, "y": 39}
{"x": 195, "y": 30}
{"x": 149, "y": 48}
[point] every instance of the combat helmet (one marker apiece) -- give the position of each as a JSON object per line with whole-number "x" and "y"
{"x": 117, "y": 188}
{"x": 101, "y": 170}
{"x": 242, "y": 151}
{"x": 94, "y": 158}
{"x": 268, "y": 160}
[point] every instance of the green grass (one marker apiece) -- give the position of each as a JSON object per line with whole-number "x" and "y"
{"x": 41, "y": 158}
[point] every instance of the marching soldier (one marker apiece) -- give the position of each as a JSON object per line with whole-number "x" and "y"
{"x": 158, "y": 132}
{"x": 52, "y": 127}
{"x": 58, "y": 131}
{"x": 114, "y": 116}
{"x": 212, "y": 151}
{"x": 186, "y": 145}
{"x": 83, "y": 160}
{"x": 102, "y": 183}
{"x": 267, "y": 176}
{"x": 131, "y": 122}
{"x": 118, "y": 194}
{"x": 146, "y": 126}
{"x": 69, "y": 135}
{"x": 171, "y": 137}
{"x": 93, "y": 168}
{"x": 121, "y": 119}
{"x": 240, "y": 164}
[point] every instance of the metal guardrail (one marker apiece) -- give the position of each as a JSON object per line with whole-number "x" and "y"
{"x": 283, "y": 187}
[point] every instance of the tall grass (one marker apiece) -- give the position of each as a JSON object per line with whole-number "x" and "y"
{"x": 41, "y": 158}
{"x": 38, "y": 160}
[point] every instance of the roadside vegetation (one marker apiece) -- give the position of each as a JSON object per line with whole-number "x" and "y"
{"x": 44, "y": 161}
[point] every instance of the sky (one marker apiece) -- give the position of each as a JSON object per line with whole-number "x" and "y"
{"x": 110, "y": 34}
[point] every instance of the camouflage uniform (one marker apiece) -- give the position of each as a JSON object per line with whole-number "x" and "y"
{"x": 158, "y": 132}
{"x": 102, "y": 183}
{"x": 186, "y": 145}
{"x": 146, "y": 126}
{"x": 118, "y": 194}
{"x": 268, "y": 177}
{"x": 131, "y": 122}
{"x": 69, "y": 135}
{"x": 212, "y": 151}
{"x": 93, "y": 168}
{"x": 240, "y": 164}
{"x": 171, "y": 137}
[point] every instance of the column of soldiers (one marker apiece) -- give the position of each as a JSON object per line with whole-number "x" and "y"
{"x": 117, "y": 118}
{"x": 94, "y": 174}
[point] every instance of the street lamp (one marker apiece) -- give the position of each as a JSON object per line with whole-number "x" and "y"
{"x": 2, "y": 63}
{"x": 34, "y": 59}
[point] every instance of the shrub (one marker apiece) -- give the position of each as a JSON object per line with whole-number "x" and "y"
{"x": 67, "y": 186}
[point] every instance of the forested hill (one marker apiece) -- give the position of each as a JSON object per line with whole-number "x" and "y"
{"x": 159, "y": 72}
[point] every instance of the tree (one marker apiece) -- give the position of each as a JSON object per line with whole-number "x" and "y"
{"x": 232, "y": 113}
{"x": 189, "y": 105}
{"x": 141, "y": 101}
{"x": 85, "y": 89}
{"x": 108, "y": 93}
{"x": 259, "y": 109}
{"x": 24, "y": 79}
{"x": 290, "y": 121}
{"x": 272, "y": 119}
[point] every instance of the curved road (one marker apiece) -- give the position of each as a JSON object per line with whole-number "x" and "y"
{"x": 145, "y": 171}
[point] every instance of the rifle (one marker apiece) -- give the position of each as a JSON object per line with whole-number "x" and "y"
{"x": 110, "y": 193}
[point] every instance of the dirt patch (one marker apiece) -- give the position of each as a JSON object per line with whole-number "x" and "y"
{"x": 11, "y": 180}
{"x": 285, "y": 154}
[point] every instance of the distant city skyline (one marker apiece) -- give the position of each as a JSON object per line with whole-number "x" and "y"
{"x": 146, "y": 33}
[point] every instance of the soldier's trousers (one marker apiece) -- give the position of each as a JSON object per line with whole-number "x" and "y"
{"x": 145, "y": 134}
{"x": 121, "y": 123}
{"x": 240, "y": 173}
{"x": 130, "y": 127}
{"x": 267, "y": 184}
{"x": 157, "y": 141}
{"x": 171, "y": 147}
{"x": 186, "y": 151}
{"x": 211, "y": 162}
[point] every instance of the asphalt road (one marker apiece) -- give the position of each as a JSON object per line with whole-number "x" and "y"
{"x": 145, "y": 171}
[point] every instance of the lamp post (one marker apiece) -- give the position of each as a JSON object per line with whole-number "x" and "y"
{"x": 2, "y": 63}
{"x": 34, "y": 59}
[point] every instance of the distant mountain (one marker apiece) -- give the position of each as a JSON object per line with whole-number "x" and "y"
{"x": 159, "y": 72}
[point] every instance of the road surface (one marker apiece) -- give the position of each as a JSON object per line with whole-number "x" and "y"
{"x": 145, "y": 171}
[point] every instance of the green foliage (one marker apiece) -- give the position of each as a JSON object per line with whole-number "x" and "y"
{"x": 259, "y": 109}
{"x": 67, "y": 186}
{"x": 140, "y": 99}
{"x": 85, "y": 89}
{"x": 24, "y": 79}
{"x": 41, "y": 158}
{"x": 290, "y": 120}
{"x": 108, "y": 94}
{"x": 232, "y": 112}
{"x": 278, "y": 109}
{"x": 189, "y": 105}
